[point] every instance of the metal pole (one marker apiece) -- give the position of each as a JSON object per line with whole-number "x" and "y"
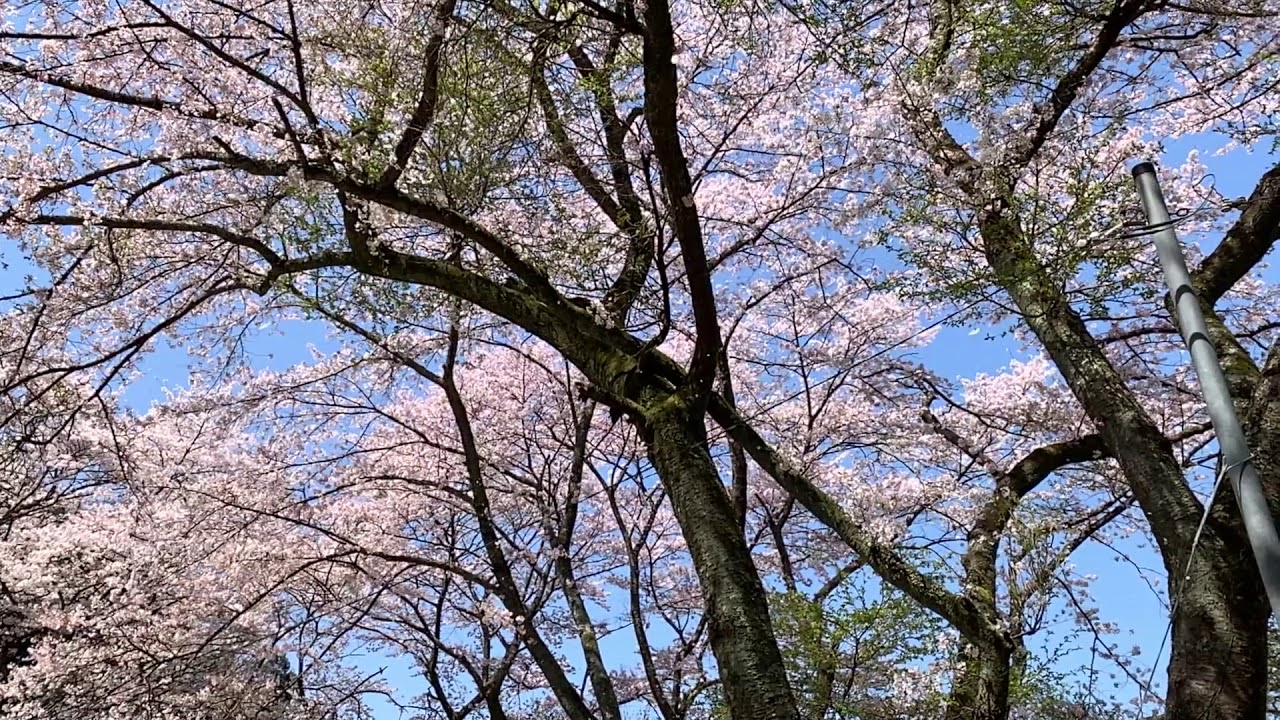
{"x": 1236, "y": 458}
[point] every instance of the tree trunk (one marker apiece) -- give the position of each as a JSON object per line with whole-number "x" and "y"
{"x": 1218, "y": 665}
{"x": 1235, "y": 612}
{"x": 980, "y": 690}
{"x": 752, "y": 675}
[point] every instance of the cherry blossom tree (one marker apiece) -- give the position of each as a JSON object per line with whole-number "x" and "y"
{"x": 612, "y": 314}
{"x": 1016, "y": 219}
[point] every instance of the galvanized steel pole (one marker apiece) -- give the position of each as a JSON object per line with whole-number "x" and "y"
{"x": 1236, "y": 458}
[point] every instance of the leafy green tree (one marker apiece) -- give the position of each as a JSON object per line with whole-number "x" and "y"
{"x": 859, "y": 653}
{"x": 857, "y": 650}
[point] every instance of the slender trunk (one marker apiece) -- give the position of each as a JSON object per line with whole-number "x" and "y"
{"x": 506, "y": 588}
{"x": 601, "y": 683}
{"x": 751, "y": 671}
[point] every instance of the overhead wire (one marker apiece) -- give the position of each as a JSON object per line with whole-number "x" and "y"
{"x": 1142, "y": 229}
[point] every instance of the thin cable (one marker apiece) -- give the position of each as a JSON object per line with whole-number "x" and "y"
{"x": 1142, "y": 229}
{"x": 1186, "y": 573}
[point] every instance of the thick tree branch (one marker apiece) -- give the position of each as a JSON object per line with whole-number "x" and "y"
{"x": 1262, "y": 426}
{"x": 278, "y": 266}
{"x": 566, "y": 149}
{"x": 434, "y": 212}
{"x": 1245, "y": 244}
{"x": 1042, "y": 462}
{"x": 1241, "y": 249}
{"x": 1048, "y": 112}
{"x": 428, "y": 97}
{"x": 625, "y": 212}
{"x": 661, "y": 103}
{"x": 984, "y": 536}
{"x": 146, "y": 102}
{"x": 961, "y": 612}
{"x": 1131, "y": 436}
{"x": 201, "y": 39}
{"x": 631, "y": 220}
